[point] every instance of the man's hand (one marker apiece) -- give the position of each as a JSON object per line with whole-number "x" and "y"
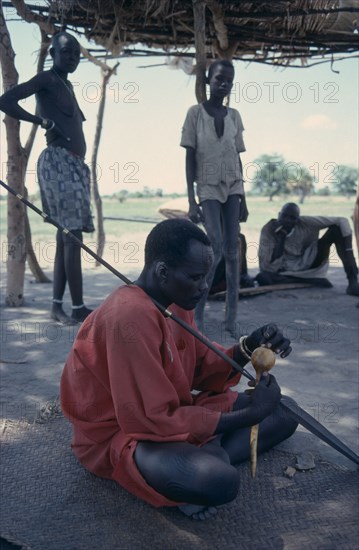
{"x": 243, "y": 209}
{"x": 195, "y": 213}
{"x": 271, "y": 337}
{"x": 265, "y": 397}
{"x": 261, "y": 402}
{"x": 47, "y": 124}
{"x": 280, "y": 229}
{"x": 266, "y": 393}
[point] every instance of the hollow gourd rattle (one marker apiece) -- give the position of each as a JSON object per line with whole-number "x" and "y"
{"x": 263, "y": 360}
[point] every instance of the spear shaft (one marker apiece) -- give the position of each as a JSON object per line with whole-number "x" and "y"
{"x": 293, "y": 410}
{"x": 166, "y": 312}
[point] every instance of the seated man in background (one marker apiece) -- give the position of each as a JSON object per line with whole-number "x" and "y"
{"x": 290, "y": 249}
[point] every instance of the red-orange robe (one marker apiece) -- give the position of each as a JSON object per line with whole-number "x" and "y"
{"x": 129, "y": 377}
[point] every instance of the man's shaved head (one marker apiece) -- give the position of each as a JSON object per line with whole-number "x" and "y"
{"x": 289, "y": 215}
{"x": 290, "y": 207}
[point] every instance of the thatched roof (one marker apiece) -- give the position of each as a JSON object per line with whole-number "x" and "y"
{"x": 270, "y": 32}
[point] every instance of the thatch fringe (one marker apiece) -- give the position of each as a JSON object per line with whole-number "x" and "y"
{"x": 279, "y": 32}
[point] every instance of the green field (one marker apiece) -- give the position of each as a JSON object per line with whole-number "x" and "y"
{"x": 260, "y": 208}
{"x": 111, "y": 207}
{"x": 125, "y": 239}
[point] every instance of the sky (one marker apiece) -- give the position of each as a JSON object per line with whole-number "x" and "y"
{"x": 309, "y": 116}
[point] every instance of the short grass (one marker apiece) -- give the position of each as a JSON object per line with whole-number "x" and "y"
{"x": 125, "y": 239}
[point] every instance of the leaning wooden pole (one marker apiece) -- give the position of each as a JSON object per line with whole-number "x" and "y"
{"x": 95, "y": 190}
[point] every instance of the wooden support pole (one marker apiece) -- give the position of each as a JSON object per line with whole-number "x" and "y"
{"x": 199, "y": 8}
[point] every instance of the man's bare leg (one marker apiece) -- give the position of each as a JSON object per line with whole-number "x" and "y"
{"x": 199, "y": 476}
{"x": 232, "y": 281}
{"x": 59, "y": 283}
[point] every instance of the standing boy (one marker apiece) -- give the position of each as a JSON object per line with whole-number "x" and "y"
{"x": 64, "y": 178}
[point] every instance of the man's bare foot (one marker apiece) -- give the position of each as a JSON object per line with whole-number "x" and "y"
{"x": 58, "y": 315}
{"x": 198, "y": 512}
{"x": 80, "y": 314}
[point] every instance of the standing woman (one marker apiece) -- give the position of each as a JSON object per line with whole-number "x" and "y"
{"x": 64, "y": 178}
{"x": 212, "y": 136}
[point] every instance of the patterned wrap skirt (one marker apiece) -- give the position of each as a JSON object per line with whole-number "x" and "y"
{"x": 64, "y": 181}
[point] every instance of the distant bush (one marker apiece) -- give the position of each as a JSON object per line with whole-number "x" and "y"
{"x": 323, "y": 191}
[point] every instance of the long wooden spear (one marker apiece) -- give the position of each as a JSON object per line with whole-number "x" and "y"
{"x": 291, "y": 408}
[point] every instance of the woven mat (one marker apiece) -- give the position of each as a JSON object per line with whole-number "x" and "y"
{"x": 49, "y": 502}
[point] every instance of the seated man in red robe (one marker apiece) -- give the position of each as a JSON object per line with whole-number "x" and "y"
{"x": 128, "y": 386}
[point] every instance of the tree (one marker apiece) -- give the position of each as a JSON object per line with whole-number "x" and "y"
{"x": 32, "y": 261}
{"x": 345, "y": 180}
{"x": 300, "y": 180}
{"x": 121, "y": 195}
{"x": 16, "y": 163}
{"x": 323, "y": 191}
{"x": 15, "y": 284}
{"x": 106, "y": 75}
{"x": 271, "y": 175}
